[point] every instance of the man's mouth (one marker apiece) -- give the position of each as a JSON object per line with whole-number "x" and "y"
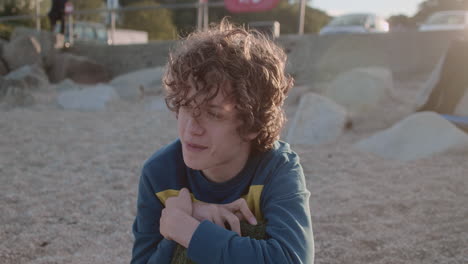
{"x": 195, "y": 147}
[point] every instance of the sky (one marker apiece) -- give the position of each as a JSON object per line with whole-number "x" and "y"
{"x": 385, "y": 8}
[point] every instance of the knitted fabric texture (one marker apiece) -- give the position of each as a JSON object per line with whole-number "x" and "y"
{"x": 247, "y": 230}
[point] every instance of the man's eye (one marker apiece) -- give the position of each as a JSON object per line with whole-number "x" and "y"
{"x": 213, "y": 115}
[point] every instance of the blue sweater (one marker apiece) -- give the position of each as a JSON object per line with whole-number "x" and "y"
{"x": 274, "y": 187}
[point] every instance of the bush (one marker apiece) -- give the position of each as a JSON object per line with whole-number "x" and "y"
{"x": 5, "y": 31}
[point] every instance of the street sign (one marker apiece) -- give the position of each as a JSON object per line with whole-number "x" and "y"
{"x": 244, "y": 6}
{"x": 68, "y": 7}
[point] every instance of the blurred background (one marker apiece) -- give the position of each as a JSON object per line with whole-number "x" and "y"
{"x": 168, "y": 19}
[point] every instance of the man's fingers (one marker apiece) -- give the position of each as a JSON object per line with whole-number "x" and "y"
{"x": 185, "y": 194}
{"x": 233, "y": 221}
{"x": 241, "y": 206}
{"x": 239, "y": 215}
{"x": 218, "y": 220}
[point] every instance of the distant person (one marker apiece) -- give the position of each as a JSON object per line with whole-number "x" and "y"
{"x": 226, "y": 86}
{"x": 57, "y": 13}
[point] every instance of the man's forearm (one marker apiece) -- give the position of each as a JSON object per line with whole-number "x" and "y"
{"x": 186, "y": 226}
{"x": 178, "y": 226}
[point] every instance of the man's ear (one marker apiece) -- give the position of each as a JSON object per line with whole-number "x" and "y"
{"x": 251, "y": 136}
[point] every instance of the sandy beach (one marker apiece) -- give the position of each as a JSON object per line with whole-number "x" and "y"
{"x": 68, "y": 187}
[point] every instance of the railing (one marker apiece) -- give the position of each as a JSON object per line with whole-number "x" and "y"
{"x": 202, "y": 15}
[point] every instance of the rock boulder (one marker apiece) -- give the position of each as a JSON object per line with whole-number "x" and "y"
{"x": 417, "y": 136}
{"x": 318, "y": 120}
{"x": 139, "y": 83}
{"x": 88, "y": 99}
{"x": 21, "y": 51}
{"x": 361, "y": 89}
{"x": 77, "y": 68}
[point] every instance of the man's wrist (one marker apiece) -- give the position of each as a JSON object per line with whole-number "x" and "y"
{"x": 184, "y": 228}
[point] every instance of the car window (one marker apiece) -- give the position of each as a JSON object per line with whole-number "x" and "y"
{"x": 349, "y": 20}
{"x": 78, "y": 31}
{"x": 446, "y": 19}
{"x": 88, "y": 33}
{"x": 101, "y": 34}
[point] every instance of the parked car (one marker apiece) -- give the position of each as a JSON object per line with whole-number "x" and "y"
{"x": 268, "y": 28}
{"x": 358, "y": 23}
{"x": 446, "y": 20}
{"x": 91, "y": 32}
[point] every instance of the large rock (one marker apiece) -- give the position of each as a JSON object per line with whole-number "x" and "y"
{"x": 15, "y": 93}
{"x": 361, "y": 89}
{"x": 3, "y": 67}
{"x": 2, "y": 43}
{"x": 48, "y": 41}
{"x": 88, "y": 99}
{"x": 25, "y": 86}
{"x": 68, "y": 85}
{"x": 434, "y": 78}
{"x": 137, "y": 84}
{"x": 157, "y": 104}
{"x": 447, "y": 88}
{"x": 24, "y": 50}
{"x": 33, "y": 76}
{"x": 462, "y": 106}
{"x": 318, "y": 120}
{"x": 77, "y": 68}
{"x": 417, "y": 136}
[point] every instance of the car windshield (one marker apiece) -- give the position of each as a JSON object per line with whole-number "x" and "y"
{"x": 446, "y": 19}
{"x": 349, "y": 20}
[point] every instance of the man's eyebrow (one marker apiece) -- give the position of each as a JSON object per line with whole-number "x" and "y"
{"x": 214, "y": 106}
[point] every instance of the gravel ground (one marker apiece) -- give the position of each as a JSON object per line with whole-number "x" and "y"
{"x": 68, "y": 183}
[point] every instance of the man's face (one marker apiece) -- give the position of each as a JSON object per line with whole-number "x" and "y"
{"x": 210, "y": 141}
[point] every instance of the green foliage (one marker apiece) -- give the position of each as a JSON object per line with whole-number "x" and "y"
{"x": 402, "y": 21}
{"x": 89, "y": 5}
{"x": 5, "y": 31}
{"x": 286, "y": 13}
{"x": 16, "y": 8}
{"x": 23, "y": 7}
{"x": 157, "y": 22}
{"x": 428, "y": 7}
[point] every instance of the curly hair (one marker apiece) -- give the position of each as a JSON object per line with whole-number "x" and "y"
{"x": 252, "y": 65}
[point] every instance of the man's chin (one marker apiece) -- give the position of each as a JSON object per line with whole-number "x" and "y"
{"x": 192, "y": 164}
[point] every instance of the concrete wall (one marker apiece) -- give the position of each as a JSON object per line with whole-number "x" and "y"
{"x": 312, "y": 58}
{"x": 121, "y": 59}
{"x": 320, "y": 58}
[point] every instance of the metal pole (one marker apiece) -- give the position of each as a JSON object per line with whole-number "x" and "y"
{"x": 199, "y": 15}
{"x": 301, "y": 16}
{"x": 205, "y": 15}
{"x": 71, "y": 34}
{"x": 38, "y": 17}
{"x": 113, "y": 26}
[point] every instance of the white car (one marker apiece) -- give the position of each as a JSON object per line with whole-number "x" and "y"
{"x": 446, "y": 20}
{"x": 360, "y": 23}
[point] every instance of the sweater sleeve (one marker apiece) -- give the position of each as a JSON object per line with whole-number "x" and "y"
{"x": 285, "y": 206}
{"x": 149, "y": 246}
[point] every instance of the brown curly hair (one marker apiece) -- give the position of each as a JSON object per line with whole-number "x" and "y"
{"x": 253, "y": 66}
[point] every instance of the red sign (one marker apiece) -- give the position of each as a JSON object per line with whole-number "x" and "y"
{"x": 242, "y": 6}
{"x": 68, "y": 7}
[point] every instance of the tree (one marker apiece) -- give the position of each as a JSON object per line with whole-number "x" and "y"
{"x": 157, "y": 22}
{"x": 89, "y": 5}
{"x": 428, "y": 7}
{"x": 286, "y": 13}
{"x": 400, "y": 22}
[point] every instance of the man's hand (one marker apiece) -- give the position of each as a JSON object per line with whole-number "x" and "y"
{"x": 231, "y": 213}
{"x": 176, "y": 222}
{"x": 182, "y": 202}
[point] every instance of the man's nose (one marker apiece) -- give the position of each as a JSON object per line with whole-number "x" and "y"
{"x": 194, "y": 126}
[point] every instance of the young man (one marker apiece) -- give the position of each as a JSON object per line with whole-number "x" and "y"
{"x": 227, "y": 88}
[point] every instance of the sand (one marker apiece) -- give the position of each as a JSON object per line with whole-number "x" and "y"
{"x": 68, "y": 186}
